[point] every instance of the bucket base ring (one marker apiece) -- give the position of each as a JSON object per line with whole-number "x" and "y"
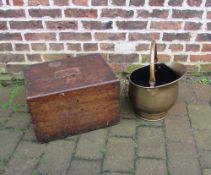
{"x": 151, "y": 117}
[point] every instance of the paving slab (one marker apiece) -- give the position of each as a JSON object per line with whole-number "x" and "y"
{"x": 200, "y": 116}
{"x": 203, "y": 92}
{"x": 124, "y": 128}
{"x": 4, "y": 116}
{"x": 179, "y": 108}
{"x": 92, "y": 144}
{"x": 19, "y": 121}
{"x": 20, "y": 98}
{"x": 21, "y": 167}
{"x": 119, "y": 155}
{"x": 178, "y": 129}
{"x": 203, "y": 139}
{"x": 205, "y": 158}
{"x": 151, "y": 166}
{"x": 30, "y": 134}
{"x": 9, "y": 140}
{"x": 206, "y": 171}
{"x": 57, "y": 158}
{"x": 151, "y": 142}
{"x": 82, "y": 167}
{"x": 126, "y": 109}
{"x": 29, "y": 150}
{"x": 186, "y": 93}
{"x": 182, "y": 159}
{"x": 5, "y": 94}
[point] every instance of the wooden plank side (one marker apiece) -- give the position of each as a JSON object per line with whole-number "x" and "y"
{"x": 76, "y": 111}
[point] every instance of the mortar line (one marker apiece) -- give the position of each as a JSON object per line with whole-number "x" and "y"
{"x": 73, "y": 154}
{"x": 105, "y": 147}
{"x": 166, "y": 149}
{"x": 194, "y": 139}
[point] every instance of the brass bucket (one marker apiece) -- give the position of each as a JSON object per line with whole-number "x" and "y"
{"x": 153, "y": 89}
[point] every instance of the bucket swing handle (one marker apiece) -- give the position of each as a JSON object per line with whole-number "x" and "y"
{"x": 153, "y": 60}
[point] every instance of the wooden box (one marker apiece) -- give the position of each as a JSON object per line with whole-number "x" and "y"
{"x": 72, "y": 96}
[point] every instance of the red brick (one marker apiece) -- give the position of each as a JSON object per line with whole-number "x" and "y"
{"x": 192, "y": 68}
{"x": 26, "y": 25}
{"x": 61, "y": 25}
{"x": 53, "y": 13}
{"x": 208, "y": 3}
{"x": 51, "y": 57}
{"x": 34, "y": 57}
{"x": 12, "y": 13}
{"x": 119, "y": 2}
{"x": 209, "y": 26}
{"x": 192, "y": 47}
{"x": 15, "y": 68}
{"x": 118, "y": 67}
{"x": 131, "y": 25}
{"x": 74, "y": 47}
{"x": 110, "y": 36}
{"x": 161, "y": 58}
{"x": 203, "y": 37}
{"x": 99, "y": 2}
{"x": 209, "y": 15}
{"x": 176, "y": 36}
{"x": 90, "y": 47}
{"x": 175, "y": 2}
{"x": 97, "y": 25}
{"x": 18, "y": 2}
{"x": 156, "y": 3}
{"x": 180, "y": 58}
{"x": 176, "y": 47}
{"x": 21, "y": 47}
{"x": 192, "y": 26}
{"x": 56, "y": 46}
{"x": 40, "y": 36}
{"x": 153, "y": 14}
{"x": 166, "y": 25}
{"x": 38, "y": 46}
{"x": 161, "y": 47}
{"x": 81, "y": 13}
{"x": 5, "y": 47}
{"x": 80, "y": 2}
{"x": 61, "y": 2}
{"x": 201, "y": 58}
{"x": 194, "y": 2}
{"x": 123, "y": 58}
{"x": 142, "y": 47}
{"x": 75, "y": 36}
{"x": 205, "y": 68}
{"x": 185, "y": 14}
{"x": 107, "y": 46}
{"x": 3, "y": 25}
{"x": 206, "y": 48}
{"x": 137, "y": 2}
{"x": 38, "y": 2}
{"x": 5, "y": 58}
{"x": 164, "y": 58}
{"x": 143, "y": 36}
{"x": 10, "y": 36}
{"x": 114, "y": 13}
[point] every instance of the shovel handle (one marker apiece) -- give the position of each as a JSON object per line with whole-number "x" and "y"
{"x": 153, "y": 60}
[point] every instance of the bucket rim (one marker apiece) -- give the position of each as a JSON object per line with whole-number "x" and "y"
{"x": 163, "y": 85}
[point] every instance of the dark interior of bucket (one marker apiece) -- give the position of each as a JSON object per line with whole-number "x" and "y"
{"x": 163, "y": 75}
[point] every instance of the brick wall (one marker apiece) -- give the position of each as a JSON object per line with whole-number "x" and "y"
{"x": 32, "y": 31}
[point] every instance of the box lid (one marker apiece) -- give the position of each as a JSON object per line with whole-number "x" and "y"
{"x": 64, "y": 75}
